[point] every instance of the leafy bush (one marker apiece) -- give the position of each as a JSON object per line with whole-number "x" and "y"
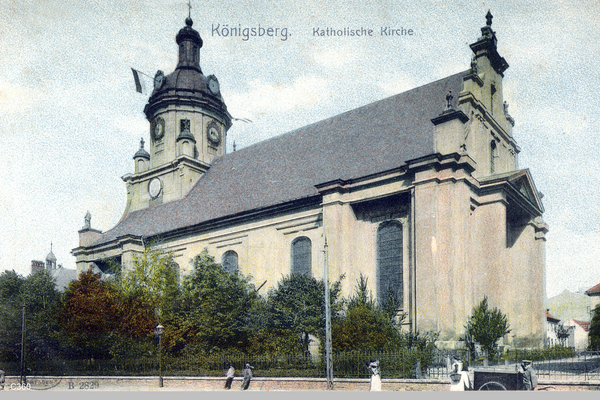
{"x": 551, "y": 353}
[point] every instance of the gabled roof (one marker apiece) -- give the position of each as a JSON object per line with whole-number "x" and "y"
{"x": 593, "y": 291}
{"x": 374, "y": 138}
{"x": 583, "y": 324}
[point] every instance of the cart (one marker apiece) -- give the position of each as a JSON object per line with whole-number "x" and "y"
{"x": 498, "y": 378}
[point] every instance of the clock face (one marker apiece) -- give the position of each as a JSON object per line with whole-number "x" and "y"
{"x": 214, "y": 135}
{"x": 213, "y": 84}
{"x": 158, "y": 128}
{"x": 154, "y": 187}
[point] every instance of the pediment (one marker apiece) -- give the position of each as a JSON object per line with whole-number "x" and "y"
{"x": 523, "y": 183}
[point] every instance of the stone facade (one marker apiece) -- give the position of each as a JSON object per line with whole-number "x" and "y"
{"x": 441, "y": 214}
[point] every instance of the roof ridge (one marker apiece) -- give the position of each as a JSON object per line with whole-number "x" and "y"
{"x": 345, "y": 113}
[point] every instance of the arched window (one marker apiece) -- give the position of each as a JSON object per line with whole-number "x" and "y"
{"x": 229, "y": 261}
{"x": 301, "y": 256}
{"x": 493, "y": 156}
{"x": 389, "y": 262}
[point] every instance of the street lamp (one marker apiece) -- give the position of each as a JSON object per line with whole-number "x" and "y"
{"x": 158, "y": 331}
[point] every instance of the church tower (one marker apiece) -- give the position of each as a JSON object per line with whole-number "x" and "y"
{"x": 476, "y": 121}
{"x": 188, "y": 129}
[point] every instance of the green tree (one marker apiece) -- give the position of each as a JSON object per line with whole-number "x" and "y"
{"x": 213, "y": 308}
{"x": 153, "y": 281}
{"x": 594, "y": 333}
{"x": 292, "y": 311}
{"x": 486, "y": 326}
{"x": 366, "y": 325}
{"x": 41, "y": 301}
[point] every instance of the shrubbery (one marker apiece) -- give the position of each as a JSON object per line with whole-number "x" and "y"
{"x": 551, "y": 353}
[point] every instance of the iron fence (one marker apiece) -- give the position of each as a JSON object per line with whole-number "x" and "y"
{"x": 549, "y": 365}
{"x": 401, "y": 364}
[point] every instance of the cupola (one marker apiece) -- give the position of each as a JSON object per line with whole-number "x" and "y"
{"x": 141, "y": 158}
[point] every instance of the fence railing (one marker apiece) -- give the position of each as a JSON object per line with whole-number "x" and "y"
{"x": 402, "y": 364}
{"x": 558, "y": 365}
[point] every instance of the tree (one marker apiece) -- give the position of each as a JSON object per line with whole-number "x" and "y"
{"x": 153, "y": 281}
{"x": 37, "y": 296}
{"x": 562, "y": 333}
{"x": 97, "y": 318}
{"x": 366, "y": 325}
{"x": 90, "y": 314}
{"x": 292, "y": 312}
{"x": 594, "y": 332}
{"x": 213, "y": 307}
{"x": 486, "y": 327}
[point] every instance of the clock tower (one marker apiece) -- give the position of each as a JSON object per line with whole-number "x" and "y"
{"x": 188, "y": 129}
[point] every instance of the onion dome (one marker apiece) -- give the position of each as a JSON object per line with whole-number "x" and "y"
{"x": 141, "y": 153}
{"x": 187, "y": 85}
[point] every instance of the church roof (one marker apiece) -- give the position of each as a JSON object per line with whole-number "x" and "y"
{"x": 371, "y": 139}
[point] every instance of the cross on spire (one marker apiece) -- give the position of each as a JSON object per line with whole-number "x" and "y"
{"x": 190, "y": 9}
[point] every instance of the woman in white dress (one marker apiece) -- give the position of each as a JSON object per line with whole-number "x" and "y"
{"x": 375, "y": 384}
{"x": 459, "y": 378}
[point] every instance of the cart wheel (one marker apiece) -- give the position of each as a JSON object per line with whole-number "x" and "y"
{"x": 492, "y": 386}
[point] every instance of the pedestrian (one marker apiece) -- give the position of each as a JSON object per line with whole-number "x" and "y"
{"x": 528, "y": 376}
{"x": 375, "y": 384}
{"x": 247, "y": 372}
{"x": 459, "y": 377}
{"x": 1, "y": 379}
{"x": 230, "y": 375}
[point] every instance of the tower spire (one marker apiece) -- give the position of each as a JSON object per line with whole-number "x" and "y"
{"x": 190, "y": 9}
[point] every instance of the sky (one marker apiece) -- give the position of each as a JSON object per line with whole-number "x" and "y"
{"x": 71, "y": 120}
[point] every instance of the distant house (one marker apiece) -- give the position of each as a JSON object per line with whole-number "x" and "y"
{"x": 552, "y": 325}
{"x": 579, "y": 338}
{"x": 594, "y": 295}
{"x": 570, "y": 305}
{"x": 61, "y": 276}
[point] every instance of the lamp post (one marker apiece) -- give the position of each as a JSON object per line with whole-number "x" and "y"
{"x": 23, "y": 377}
{"x": 158, "y": 331}
{"x": 328, "y": 356}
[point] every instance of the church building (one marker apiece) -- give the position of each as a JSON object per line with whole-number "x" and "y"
{"x": 420, "y": 192}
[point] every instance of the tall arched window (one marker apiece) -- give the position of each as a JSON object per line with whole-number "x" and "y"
{"x": 389, "y": 262}
{"x": 493, "y": 156}
{"x": 301, "y": 256}
{"x": 229, "y": 261}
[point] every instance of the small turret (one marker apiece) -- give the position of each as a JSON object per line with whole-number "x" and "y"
{"x": 141, "y": 158}
{"x": 51, "y": 259}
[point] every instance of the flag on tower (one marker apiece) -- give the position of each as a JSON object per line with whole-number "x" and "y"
{"x": 140, "y": 87}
